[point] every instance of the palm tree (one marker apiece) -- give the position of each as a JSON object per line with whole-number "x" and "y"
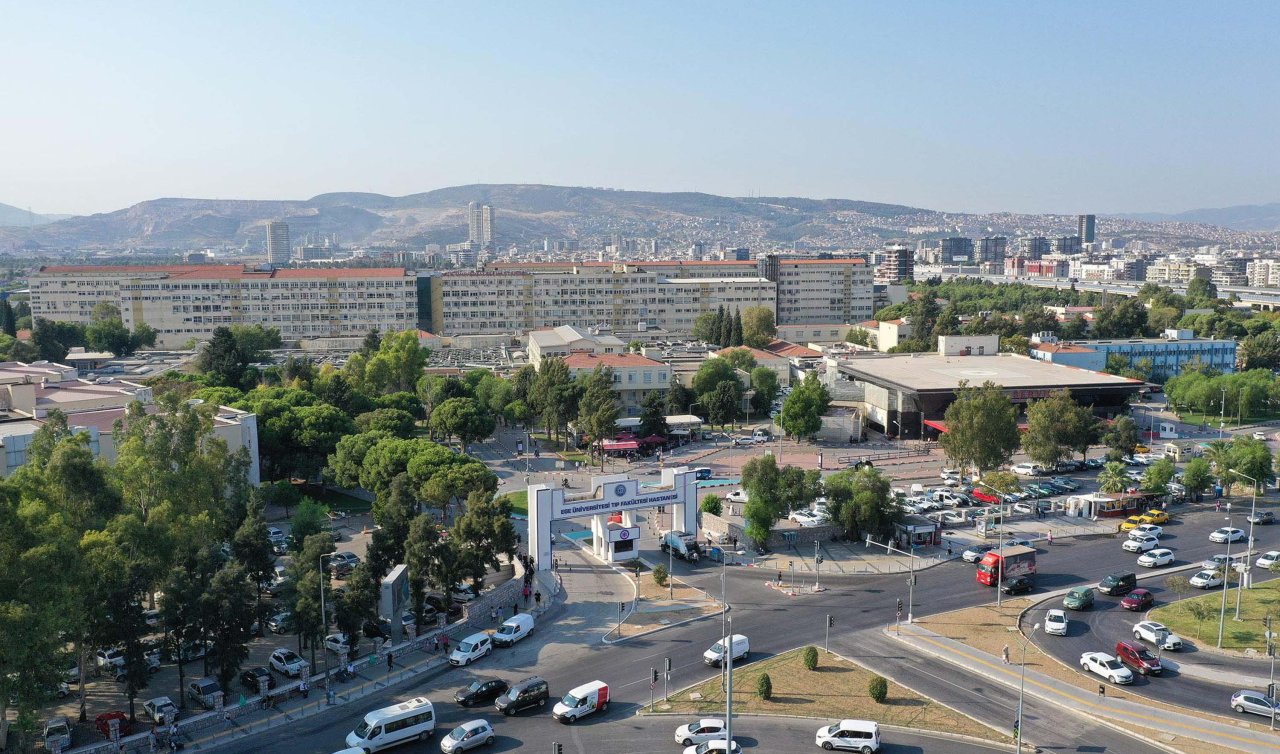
{"x": 1218, "y": 454}
{"x": 1113, "y": 478}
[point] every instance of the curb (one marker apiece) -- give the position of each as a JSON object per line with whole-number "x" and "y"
{"x": 612, "y": 642}
{"x": 635, "y": 595}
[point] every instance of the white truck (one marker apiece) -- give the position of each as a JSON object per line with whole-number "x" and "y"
{"x": 682, "y": 545}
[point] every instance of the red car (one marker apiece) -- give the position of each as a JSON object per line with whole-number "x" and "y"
{"x": 985, "y": 497}
{"x": 1138, "y": 657}
{"x": 103, "y": 722}
{"x": 1138, "y": 599}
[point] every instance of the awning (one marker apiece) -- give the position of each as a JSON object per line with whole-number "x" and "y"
{"x": 941, "y": 426}
{"x": 654, "y": 440}
{"x": 622, "y": 445}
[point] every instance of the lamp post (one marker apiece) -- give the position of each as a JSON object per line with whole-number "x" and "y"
{"x": 911, "y": 570}
{"x": 1253, "y": 510}
{"x": 728, "y": 690}
{"x": 1226, "y": 584}
{"x": 1222, "y": 421}
{"x": 324, "y": 617}
{"x": 1000, "y": 566}
{"x": 1022, "y": 687}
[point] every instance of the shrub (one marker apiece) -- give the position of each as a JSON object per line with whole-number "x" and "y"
{"x": 764, "y": 687}
{"x": 878, "y": 689}
{"x": 660, "y": 575}
{"x": 810, "y": 657}
{"x": 711, "y": 504}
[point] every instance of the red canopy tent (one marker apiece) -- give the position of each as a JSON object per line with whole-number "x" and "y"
{"x": 653, "y": 440}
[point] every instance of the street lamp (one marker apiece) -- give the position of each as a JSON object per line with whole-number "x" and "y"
{"x": 1022, "y": 687}
{"x": 1226, "y": 584}
{"x": 1222, "y": 421}
{"x": 1253, "y": 510}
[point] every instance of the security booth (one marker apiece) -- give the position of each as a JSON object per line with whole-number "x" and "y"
{"x": 917, "y": 531}
{"x": 611, "y": 505}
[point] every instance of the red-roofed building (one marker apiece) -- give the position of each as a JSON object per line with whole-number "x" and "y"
{"x": 634, "y": 376}
{"x": 186, "y": 302}
{"x": 791, "y": 350}
{"x": 779, "y": 365}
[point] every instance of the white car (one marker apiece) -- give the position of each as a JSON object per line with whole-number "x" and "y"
{"x": 1206, "y": 580}
{"x": 1106, "y": 666}
{"x": 803, "y": 517}
{"x": 701, "y": 731}
{"x": 275, "y": 534}
{"x": 737, "y": 496}
{"x": 1268, "y": 559}
{"x": 713, "y": 747}
{"x": 1260, "y": 435}
{"x": 1151, "y": 631}
{"x": 337, "y": 643}
{"x": 1055, "y": 623}
{"x": 953, "y": 517}
{"x": 288, "y": 662}
{"x": 1158, "y": 557}
{"x": 744, "y": 441}
{"x": 1026, "y": 469}
{"x": 467, "y": 736}
{"x": 1150, "y": 530}
{"x": 1227, "y": 534}
{"x": 950, "y": 473}
{"x": 1140, "y": 543}
{"x": 161, "y": 709}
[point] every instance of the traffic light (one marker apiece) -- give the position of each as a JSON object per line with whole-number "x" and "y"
{"x": 831, "y": 621}
{"x": 899, "y": 604}
{"x": 557, "y": 748}
{"x": 622, "y": 608}
{"x": 668, "y": 664}
{"x": 819, "y": 560}
{"x": 654, "y": 672}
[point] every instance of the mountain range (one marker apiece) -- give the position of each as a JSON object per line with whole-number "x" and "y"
{"x": 1263, "y": 217}
{"x": 528, "y": 213}
{"x": 18, "y": 217}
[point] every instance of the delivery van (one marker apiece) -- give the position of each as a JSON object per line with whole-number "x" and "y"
{"x": 513, "y": 629}
{"x": 715, "y": 656}
{"x": 582, "y": 701}
{"x": 390, "y": 726}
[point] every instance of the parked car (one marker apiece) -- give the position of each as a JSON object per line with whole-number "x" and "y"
{"x": 1138, "y": 600}
{"x": 1154, "y": 516}
{"x": 343, "y": 563}
{"x": 1220, "y": 561}
{"x": 1255, "y": 702}
{"x": 103, "y": 723}
{"x": 1226, "y": 534}
{"x": 1056, "y": 623}
{"x": 281, "y": 622}
{"x": 1157, "y": 634}
{"x": 737, "y": 496}
{"x": 804, "y": 518}
{"x": 201, "y": 691}
{"x": 469, "y": 735}
{"x": 1268, "y": 559}
{"x": 338, "y": 644}
{"x": 249, "y": 678}
{"x": 1158, "y": 557}
{"x": 160, "y": 709}
{"x": 1260, "y": 435}
{"x": 288, "y": 662}
{"x": 1027, "y": 469}
{"x": 1103, "y": 664}
{"x": 480, "y": 691}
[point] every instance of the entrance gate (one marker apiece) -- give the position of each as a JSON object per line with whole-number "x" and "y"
{"x": 610, "y": 494}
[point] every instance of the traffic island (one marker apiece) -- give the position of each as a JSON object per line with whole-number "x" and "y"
{"x": 658, "y": 607}
{"x": 992, "y": 631}
{"x": 1196, "y": 618}
{"x": 837, "y": 688}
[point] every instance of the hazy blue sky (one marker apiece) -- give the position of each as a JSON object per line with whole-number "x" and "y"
{"x": 961, "y": 105}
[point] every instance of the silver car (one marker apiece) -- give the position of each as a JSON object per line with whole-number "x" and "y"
{"x": 1256, "y": 702}
{"x": 468, "y": 736}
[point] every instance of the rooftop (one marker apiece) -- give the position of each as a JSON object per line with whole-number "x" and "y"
{"x": 1062, "y": 348}
{"x": 756, "y": 353}
{"x": 925, "y": 372}
{"x": 224, "y": 271}
{"x": 592, "y": 360}
{"x": 791, "y": 350}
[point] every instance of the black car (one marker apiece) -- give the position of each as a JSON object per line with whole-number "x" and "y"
{"x": 441, "y": 605}
{"x": 379, "y": 629}
{"x": 480, "y": 692}
{"x": 1265, "y": 517}
{"x": 249, "y": 678}
{"x": 1019, "y": 585}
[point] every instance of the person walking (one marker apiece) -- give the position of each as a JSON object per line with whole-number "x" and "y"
{"x": 1049, "y": 538}
{"x": 151, "y": 738}
{"x": 537, "y": 598}
{"x": 1004, "y": 654}
{"x": 493, "y": 614}
{"x": 390, "y": 661}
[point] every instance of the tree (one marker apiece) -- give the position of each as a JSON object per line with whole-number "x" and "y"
{"x": 393, "y": 421}
{"x": 861, "y": 502}
{"x": 1113, "y": 478}
{"x": 8, "y": 320}
{"x": 253, "y": 551}
{"x": 1196, "y": 477}
{"x": 1157, "y": 477}
{"x": 1251, "y": 458}
{"x": 660, "y": 575}
{"x": 598, "y": 409}
{"x": 764, "y": 381}
{"x": 1056, "y": 427}
{"x": 222, "y": 361}
{"x": 741, "y": 359}
{"x": 810, "y": 657}
{"x": 308, "y": 578}
{"x": 858, "y": 336}
{"x": 53, "y": 340}
{"x": 1121, "y": 436}
{"x": 461, "y": 418}
{"x": 653, "y": 420}
{"x": 713, "y": 372}
{"x": 678, "y": 399}
{"x": 982, "y": 427}
{"x": 427, "y": 561}
{"x": 735, "y": 331}
{"x": 372, "y": 341}
{"x": 347, "y": 460}
{"x": 726, "y": 329}
{"x": 255, "y": 340}
{"x": 804, "y": 408}
{"x": 356, "y": 605}
{"x": 758, "y": 328}
{"x": 231, "y": 603}
{"x": 1179, "y": 586}
{"x": 706, "y": 327}
{"x": 1125, "y": 317}
{"x": 555, "y": 397}
{"x": 1002, "y": 481}
{"x": 310, "y": 518}
{"x": 1261, "y": 351}
{"x": 878, "y": 689}
{"x": 711, "y": 504}
{"x": 1075, "y": 328}
{"x": 484, "y": 533}
{"x": 393, "y": 513}
{"x": 760, "y": 479}
{"x": 764, "y": 687}
{"x": 1201, "y": 291}
{"x": 722, "y": 404}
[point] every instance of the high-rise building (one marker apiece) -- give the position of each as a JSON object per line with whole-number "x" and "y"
{"x": 993, "y": 249}
{"x": 480, "y": 225}
{"x": 1033, "y": 247}
{"x": 1086, "y": 228}
{"x": 1067, "y": 245}
{"x": 897, "y": 263}
{"x": 957, "y": 250}
{"x": 278, "y": 251}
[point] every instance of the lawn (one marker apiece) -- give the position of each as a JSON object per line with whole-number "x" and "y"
{"x": 519, "y": 501}
{"x": 1248, "y": 633}
{"x": 836, "y": 690}
{"x": 338, "y": 500}
{"x": 1212, "y": 420}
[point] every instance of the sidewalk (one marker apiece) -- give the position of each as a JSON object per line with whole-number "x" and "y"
{"x": 1242, "y": 735}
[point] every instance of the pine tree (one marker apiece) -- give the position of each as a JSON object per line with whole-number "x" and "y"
{"x": 8, "y": 321}
{"x": 736, "y": 334}
{"x": 726, "y": 329}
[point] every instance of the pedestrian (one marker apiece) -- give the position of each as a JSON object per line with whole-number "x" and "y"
{"x": 948, "y": 550}
{"x": 525, "y": 591}
{"x": 537, "y": 597}
{"x": 1004, "y": 654}
{"x": 389, "y": 662}
{"x": 151, "y": 738}
{"x": 351, "y": 669}
{"x": 305, "y": 689}
{"x": 173, "y": 735}
{"x": 779, "y": 578}
{"x": 515, "y": 609}
{"x": 493, "y": 615}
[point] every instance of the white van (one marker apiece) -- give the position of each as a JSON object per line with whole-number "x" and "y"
{"x": 582, "y": 701}
{"x": 862, "y": 736}
{"x": 390, "y": 726}
{"x": 715, "y": 655}
{"x": 57, "y": 730}
{"x": 471, "y": 649}
{"x": 513, "y": 629}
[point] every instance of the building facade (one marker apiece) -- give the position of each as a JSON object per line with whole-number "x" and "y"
{"x": 1168, "y": 355}
{"x": 993, "y": 249}
{"x": 278, "y": 249}
{"x": 1033, "y": 247}
{"x": 566, "y": 339}
{"x": 1086, "y": 228}
{"x": 185, "y": 302}
{"x": 1176, "y": 272}
{"x": 957, "y": 250}
{"x": 634, "y": 376}
{"x": 480, "y": 226}
{"x": 897, "y": 263}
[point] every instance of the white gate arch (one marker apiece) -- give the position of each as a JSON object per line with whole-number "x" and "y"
{"x": 610, "y": 494}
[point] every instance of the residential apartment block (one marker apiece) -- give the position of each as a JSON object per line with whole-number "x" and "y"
{"x": 182, "y": 302}
{"x": 625, "y": 296}
{"x": 634, "y": 376}
{"x": 1175, "y": 272}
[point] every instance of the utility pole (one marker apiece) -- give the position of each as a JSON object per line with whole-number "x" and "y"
{"x": 817, "y": 563}
{"x": 728, "y": 691}
{"x": 666, "y": 681}
{"x": 1226, "y": 584}
{"x": 1271, "y": 652}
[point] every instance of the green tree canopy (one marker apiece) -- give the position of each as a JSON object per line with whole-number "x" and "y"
{"x": 804, "y": 408}
{"x": 758, "y": 327}
{"x": 982, "y": 427}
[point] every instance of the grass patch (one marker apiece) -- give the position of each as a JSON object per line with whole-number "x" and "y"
{"x": 519, "y": 501}
{"x": 836, "y": 690}
{"x": 339, "y": 501}
{"x": 1195, "y": 417}
{"x": 1247, "y": 633}
{"x": 574, "y": 455}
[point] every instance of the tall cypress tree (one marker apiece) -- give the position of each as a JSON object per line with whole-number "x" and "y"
{"x": 726, "y": 330}
{"x": 736, "y": 335}
{"x": 8, "y": 321}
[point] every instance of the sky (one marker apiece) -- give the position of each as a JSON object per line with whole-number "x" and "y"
{"x": 964, "y": 106}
